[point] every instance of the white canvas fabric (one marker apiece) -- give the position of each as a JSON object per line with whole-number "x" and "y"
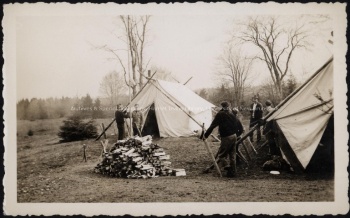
{"x": 304, "y": 132}
{"x": 173, "y": 121}
{"x": 304, "y": 117}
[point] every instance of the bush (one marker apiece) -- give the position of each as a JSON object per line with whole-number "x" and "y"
{"x": 74, "y": 129}
{"x": 30, "y": 132}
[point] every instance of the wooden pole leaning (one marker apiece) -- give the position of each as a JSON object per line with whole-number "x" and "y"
{"x": 241, "y": 156}
{"x": 103, "y": 130}
{"x": 246, "y": 150}
{"x": 261, "y": 146}
{"x": 212, "y": 157}
{"x": 211, "y": 153}
{"x": 239, "y": 153}
{"x": 109, "y": 125}
{"x": 251, "y": 145}
{"x": 188, "y": 80}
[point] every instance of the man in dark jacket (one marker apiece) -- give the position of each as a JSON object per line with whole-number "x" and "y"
{"x": 119, "y": 119}
{"x": 229, "y": 128}
{"x": 269, "y": 133}
{"x": 256, "y": 112}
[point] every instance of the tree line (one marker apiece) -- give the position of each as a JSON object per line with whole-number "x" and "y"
{"x": 53, "y": 108}
{"x": 86, "y": 107}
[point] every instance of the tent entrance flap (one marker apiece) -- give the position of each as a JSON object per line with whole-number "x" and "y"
{"x": 151, "y": 125}
{"x": 285, "y": 147}
{"x": 323, "y": 159}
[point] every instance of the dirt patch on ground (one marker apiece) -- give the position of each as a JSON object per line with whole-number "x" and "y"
{"x": 48, "y": 171}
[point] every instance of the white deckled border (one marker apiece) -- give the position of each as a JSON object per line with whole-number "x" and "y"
{"x": 11, "y": 207}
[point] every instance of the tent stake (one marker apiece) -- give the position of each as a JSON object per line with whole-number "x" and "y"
{"x": 84, "y": 154}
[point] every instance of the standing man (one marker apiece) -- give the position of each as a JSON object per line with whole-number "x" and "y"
{"x": 137, "y": 120}
{"x": 256, "y": 112}
{"x": 269, "y": 133}
{"x": 119, "y": 119}
{"x": 229, "y": 128}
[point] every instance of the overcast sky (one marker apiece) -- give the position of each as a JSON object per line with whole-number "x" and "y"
{"x": 55, "y": 56}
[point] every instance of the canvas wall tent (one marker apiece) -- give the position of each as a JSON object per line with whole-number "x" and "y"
{"x": 166, "y": 98}
{"x": 300, "y": 123}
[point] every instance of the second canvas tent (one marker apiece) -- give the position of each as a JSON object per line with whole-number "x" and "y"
{"x": 167, "y": 107}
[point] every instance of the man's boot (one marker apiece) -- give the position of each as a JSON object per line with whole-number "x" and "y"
{"x": 229, "y": 172}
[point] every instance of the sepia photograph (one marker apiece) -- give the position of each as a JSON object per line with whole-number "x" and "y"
{"x": 175, "y": 109}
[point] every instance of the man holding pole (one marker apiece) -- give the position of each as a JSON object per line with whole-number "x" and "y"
{"x": 229, "y": 128}
{"x": 119, "y": 119}
{"x": 137, "y": 121}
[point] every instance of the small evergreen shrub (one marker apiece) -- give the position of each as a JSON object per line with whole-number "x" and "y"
{"x": 75, "y": 129}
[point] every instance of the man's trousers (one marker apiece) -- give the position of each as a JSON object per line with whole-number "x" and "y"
{"x": 227, "y": 153}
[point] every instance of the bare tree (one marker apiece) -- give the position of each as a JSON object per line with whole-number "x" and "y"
{"x": 135, "y": 30}
{"x": 112, "y": 87}
{"x": 236, "y": 69}
{"x": 277, "y": 41}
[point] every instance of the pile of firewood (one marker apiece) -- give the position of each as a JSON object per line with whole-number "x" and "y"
{"x": 136, "y": 158}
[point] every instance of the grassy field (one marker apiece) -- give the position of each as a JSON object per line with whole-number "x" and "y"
{"x": 49, "y": 171}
